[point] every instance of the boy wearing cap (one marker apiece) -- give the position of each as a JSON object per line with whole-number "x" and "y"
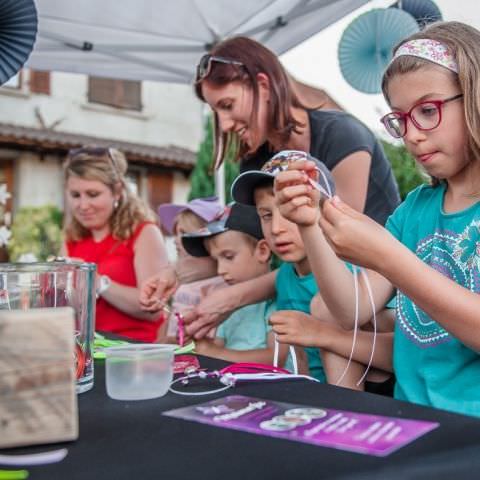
{"x": 236, "y": 243}
{"x": 296, "y": 286}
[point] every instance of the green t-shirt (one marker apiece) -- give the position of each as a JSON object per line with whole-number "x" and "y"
{"x": 296, "y": 293}
{"x": 431, "y": 366}
{"x": 247, "y": 328}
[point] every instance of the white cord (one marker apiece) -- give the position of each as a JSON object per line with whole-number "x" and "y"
{"x": 275, "y": 352}
{"x": 328, "y": 191}
{"x": 229, "y": 379}
{"x": 270, "y": 376}
{"x": 197, "y": 394}
{"x": 374, "y": 316}
{"x": 355, "y": 284}
{"x": 292, "y": 354}
{"x": 294, "y": 359}
{"x": 357, "y": 297}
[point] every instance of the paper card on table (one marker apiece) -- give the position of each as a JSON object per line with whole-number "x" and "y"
{"x": 356, "y": 432}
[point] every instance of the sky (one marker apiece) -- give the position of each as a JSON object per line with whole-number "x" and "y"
{"x": 315, "y": 61}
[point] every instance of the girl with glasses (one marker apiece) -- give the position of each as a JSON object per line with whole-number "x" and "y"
{"x": 110, "y": 226}
{"x": 430, "y": 247}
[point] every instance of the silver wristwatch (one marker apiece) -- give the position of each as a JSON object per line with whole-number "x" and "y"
{"x": 103, "y": 284}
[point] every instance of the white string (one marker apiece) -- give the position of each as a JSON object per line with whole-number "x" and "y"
{"x": 270, "y": 376}
{"x": 294, "y": 359}
{"x": 208, "y": 392}
{"x": 328, "y": 193}
{"x": 319, "y": 187}
{"x": 229, "y": 379}
{"x": 357, "y": 299}
{"x": 355, "y": 284}
{"x": 372, "y": 303}
{"x": 293, "y": 355}
{"x": 275, "y": 352}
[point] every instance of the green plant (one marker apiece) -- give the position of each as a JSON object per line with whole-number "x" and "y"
{"x": 404, "y": 168}
{"x": 202, "y": 179}
{"x": 37, "y": 231}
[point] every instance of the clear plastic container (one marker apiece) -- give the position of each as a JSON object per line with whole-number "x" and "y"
{"x": 139, "y": 371}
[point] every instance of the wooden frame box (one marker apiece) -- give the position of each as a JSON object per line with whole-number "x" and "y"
{"x": 38, "y": 401}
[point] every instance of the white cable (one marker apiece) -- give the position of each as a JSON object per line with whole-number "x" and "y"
{"x": 275, "y": 352}
{"x": 178, "y": 392}
{"x": 357, "y": 297}
{"x": 292, "y": 354}
{"x": 294, "y": 359}
{"x": 229, "y": 379}
{"x": 355, "y": 283}
{"x": 374, "y": 316}
{"x": 271, "y": 376}
{"x": 328, "y": 191}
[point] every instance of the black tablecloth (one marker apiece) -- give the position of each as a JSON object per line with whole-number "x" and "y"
{"x": 132, "y": 440}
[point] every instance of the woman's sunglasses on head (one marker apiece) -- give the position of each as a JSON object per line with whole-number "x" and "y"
{"x": 425, "y": 116}
{"x": 204, "y": 67}
{"x": 96, "y": 151}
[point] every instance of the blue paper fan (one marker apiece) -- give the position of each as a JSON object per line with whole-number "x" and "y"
{"x": 423, "y": 11}
{"x": 18, "y": 30}
{"x": 367, "y": 43}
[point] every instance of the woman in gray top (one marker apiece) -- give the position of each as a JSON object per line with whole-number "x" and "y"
{"x": 255, "y": 106}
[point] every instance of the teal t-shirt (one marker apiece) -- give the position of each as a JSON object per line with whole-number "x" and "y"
{"x": 296, "y": 293}
{"x": 247, "y": 328}
{"x": 432, "y": 367}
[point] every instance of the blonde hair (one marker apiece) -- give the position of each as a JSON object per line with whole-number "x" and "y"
{"x": 189, "y": 221}
{"x": 463, "y": 42}
{"x": 108, "y": 166}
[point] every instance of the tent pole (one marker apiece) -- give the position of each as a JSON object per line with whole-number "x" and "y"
{"x": 220, "y": 183}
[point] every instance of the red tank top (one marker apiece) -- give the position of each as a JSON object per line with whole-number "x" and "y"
{"x": 115, "y": 258}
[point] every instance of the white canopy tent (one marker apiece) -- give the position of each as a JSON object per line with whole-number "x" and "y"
{"x": 162, "y": 40}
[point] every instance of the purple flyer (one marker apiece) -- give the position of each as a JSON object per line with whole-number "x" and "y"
{"x": 356, "y": 432}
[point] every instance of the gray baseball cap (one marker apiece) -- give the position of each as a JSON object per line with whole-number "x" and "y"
{"x": 244, "y": 185}
{"x": 237, "y": 217}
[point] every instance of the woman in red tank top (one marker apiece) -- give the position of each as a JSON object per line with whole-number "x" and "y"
{"x": 110, "y": 226}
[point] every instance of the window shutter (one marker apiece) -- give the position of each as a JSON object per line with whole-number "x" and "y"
{"x": 132, "y": 93}
{"x": 116, "y": 93}
{"x": 100, "y": 90}
{"x": 160, "y": 188}
{"x": 40, "y": 82}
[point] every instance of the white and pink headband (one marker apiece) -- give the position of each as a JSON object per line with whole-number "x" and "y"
{"x": 431, "y": 50}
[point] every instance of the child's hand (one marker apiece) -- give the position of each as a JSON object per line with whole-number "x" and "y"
{"x": 208, "y": 314}
{"x": 204, "y": 346}
{"x": 295, "y": 328}
{"x": 156, "y": 291}
{"x": 355, "y": 237}
{"x": 295, "y": 197}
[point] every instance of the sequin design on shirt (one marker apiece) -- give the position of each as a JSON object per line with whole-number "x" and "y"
{"x": 457, "y": 256}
